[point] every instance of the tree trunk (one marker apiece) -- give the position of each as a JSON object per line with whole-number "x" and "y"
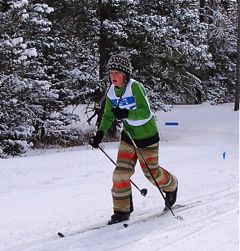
{"x": 201, "y": 11}
{"x": 101, "y": 58}
{"x": 105, "y": 47}
{"x": 104, "y": 12}
{"x": 236, "y": 103}
{"x": 225, "y": 4}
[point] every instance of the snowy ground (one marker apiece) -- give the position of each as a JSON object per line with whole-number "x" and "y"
{"x": 69, "y": 191}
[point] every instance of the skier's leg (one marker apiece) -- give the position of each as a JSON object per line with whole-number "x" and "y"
{"x": 166, "y": 181}
{"x": 121, "y": 189}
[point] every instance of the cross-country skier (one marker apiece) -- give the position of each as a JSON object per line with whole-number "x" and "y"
{"x": 126, "y": 100}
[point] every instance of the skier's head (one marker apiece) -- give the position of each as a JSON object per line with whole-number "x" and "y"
{"x": 119, "y": 63}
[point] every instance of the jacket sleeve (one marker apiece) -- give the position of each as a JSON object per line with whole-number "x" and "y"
{"x": 143, "y": 108}
{"x": 108, "y": 117}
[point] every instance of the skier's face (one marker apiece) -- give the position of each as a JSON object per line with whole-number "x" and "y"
{"x": 117, "y": 78}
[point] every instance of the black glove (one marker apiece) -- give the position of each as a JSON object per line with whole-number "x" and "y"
{"x": 120, "y": 113}
{"x": 96, "y": 140}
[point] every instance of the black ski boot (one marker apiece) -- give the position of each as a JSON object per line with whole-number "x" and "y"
{"x": 119, "y": 216}
{"x": 171, "y": 198}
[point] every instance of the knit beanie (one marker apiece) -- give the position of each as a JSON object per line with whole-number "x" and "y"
{"x": 120, "y": 63}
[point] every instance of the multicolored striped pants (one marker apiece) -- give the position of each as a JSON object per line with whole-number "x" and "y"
{"x": 125, "y": 167}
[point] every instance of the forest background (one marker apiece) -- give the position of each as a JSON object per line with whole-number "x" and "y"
{"x": 54, "y": 55}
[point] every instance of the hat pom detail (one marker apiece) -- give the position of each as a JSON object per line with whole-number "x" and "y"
{"x": 120, "y": 63}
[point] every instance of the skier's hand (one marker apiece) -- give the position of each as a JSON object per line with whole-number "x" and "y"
{"x": 96, "y": 140}
{"x": 120, "y": 113}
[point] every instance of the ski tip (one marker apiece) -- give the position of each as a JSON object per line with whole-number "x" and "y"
{"x": 61, "y": 235}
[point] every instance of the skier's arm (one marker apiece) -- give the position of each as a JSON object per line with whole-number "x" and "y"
{"x": 107, "y": 118}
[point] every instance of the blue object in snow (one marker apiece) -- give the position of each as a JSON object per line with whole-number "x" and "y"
{"x": 224, "y": 155}
{"x": 171, "y": 123}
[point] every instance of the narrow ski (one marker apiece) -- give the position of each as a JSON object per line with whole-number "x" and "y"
{"x": 177, "y": 207}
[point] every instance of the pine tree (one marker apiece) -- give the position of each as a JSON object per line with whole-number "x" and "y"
{"x": 15, "y": 117}
{"x": 169, "y": 39}
{"x": 54, "y": 55}
{"x": 222, "y": 42}
{"x": 35, "y": 59}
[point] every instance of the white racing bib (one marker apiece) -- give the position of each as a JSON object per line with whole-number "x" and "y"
{"x": 127, "y": 102}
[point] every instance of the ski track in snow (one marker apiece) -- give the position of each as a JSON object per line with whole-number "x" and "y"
{"x": 202, "y": 217}
{"x": 69, "y": 191}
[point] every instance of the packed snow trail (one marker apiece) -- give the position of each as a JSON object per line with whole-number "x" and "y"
{"x": 201, "y": 220}
{"x": 139, "y": 219}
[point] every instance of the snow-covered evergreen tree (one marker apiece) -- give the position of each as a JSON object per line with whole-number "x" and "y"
{"x": 16, "y": 125}
{"x": 168, "y": 46}
{"x": 34, "y": 59}
{"x": 15, "y": 116}
{"x": 54, "y": 54}
{"x": 222, "y": 41}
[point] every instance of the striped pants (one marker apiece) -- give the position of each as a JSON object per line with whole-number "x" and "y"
{"x": 125, "y": 167}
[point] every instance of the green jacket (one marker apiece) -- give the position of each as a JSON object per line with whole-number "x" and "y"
{"x": 141, "y": 132}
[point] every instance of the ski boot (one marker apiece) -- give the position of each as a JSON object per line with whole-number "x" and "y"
{"x": 171, "y": 198}
{"x": 118, "y": 216}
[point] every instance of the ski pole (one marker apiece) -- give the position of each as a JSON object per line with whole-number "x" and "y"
{"x": 142, "y": 191}
{"x": 148, "y": 168}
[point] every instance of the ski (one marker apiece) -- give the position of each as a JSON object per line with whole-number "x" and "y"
{"x": 141, "y": 218}
{"x": 149, "y": 217}
{"x": 61, "y": 235}
{"x": 177, "y": 209}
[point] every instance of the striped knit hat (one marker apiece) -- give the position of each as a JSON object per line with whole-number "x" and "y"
{"x": 120, "y": 63}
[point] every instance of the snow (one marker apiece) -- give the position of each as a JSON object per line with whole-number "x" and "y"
{"x": 16, "y": 41}
{"x": 40, "y": 22}
{"x": 69, "y": 191}
{"x": 31, "y": 52}
{"x": 19, "y": 4}
{"x": 43, "y": 8}
{"x": 25, "y": 16}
